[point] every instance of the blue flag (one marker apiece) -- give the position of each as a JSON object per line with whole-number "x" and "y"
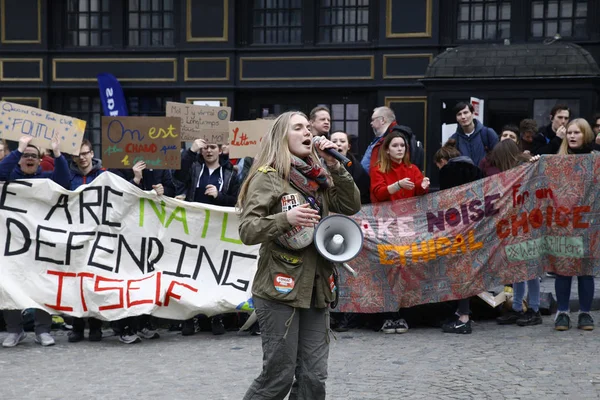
{"x": 111, "y": 94}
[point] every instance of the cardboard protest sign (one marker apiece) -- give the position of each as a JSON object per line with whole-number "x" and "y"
{"x": 462, "y": 241}
{"x": 17, "y": 120}
{"x": 154, "y": 140}
{"x": 245, "y": 137}
{"x": 201, "y": 122}
{"x": 110, "y": 250}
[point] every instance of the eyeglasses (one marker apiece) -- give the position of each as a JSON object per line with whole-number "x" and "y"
{"x": 30, "y": 155}
{"x": 84, "y": 153}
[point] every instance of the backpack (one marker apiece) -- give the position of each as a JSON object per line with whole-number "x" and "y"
{"x": 417, "y": 152}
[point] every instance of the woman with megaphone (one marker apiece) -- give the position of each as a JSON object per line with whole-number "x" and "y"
{"x": 287, "y": 192}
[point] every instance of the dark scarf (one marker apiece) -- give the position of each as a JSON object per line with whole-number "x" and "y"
{"x": 309, "y": 177}
{"x": 585, "y": 149}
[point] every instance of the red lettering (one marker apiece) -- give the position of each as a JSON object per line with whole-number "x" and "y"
{"x": 97, "y": 288}
{"x": 502, "y": 229}
{"x": 84, "y": 275}
{"x": 174, "y": 295}
{"x": 61, "y": 276}
{"x": 577, "y": 217}
{"x": 560, "y": 221}
{"x": 536, "y": 219}
{"x": 129, "y": 288}
{"x": 141, "y": 148}
{"x": 158, "y": 283}
{"x": 519, "y": 221}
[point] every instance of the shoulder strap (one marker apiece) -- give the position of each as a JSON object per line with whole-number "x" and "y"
{"x": 485, "y": 138}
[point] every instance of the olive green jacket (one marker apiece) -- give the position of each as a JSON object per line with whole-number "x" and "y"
{"x": 262, "y": 221}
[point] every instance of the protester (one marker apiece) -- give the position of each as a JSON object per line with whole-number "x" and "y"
{"x": 596, "y": 129}
{"x": 383, "y": 122}
{"x": 47, "y": 162}
{"x": 291, "y": 288}
{"x": 133, "y": 329}
{"x": 207, "y": 181}
{"x": 509, "y": 132}
{"x": 3, "y": 149}
{"x": 320, "y": 121}
{"x": 84, "y": 169}
{"x": 531, "y": 139}
{"x": 24, "y": 163}
{"x": 456, "y": 170}
{"x": 554, "y": 133}
{"x": 473, "y": 139}
{"x": 360, "y": 176}
{"x": 395, "y": 178}
{"x": 507, "y": 155}
{"x": 579, "y": 139}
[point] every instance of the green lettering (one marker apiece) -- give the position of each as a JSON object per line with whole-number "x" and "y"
{"x": 179, "y": 214}
{"x": 224, "y": 229}
{"x": 206, "y": 222}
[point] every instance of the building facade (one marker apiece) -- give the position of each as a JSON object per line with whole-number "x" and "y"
{"x": 263, "y": 57}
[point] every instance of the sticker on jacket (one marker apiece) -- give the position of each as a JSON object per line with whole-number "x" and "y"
{"x": 289, "y": 201}
{"x": 283, "y": 283}
{"x": 332, "y": 286}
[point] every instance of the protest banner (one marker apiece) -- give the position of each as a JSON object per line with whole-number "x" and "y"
{"x": 154, "y": 140}
{"x": 201, "y": 122}
{"x": 462, "y": 241}
{"x": 110, "y": 250}
{"x": 17, "y": 120}
{"x": 245, "y": 137}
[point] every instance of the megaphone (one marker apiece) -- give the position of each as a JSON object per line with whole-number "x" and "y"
{"x": 338, "y": 239}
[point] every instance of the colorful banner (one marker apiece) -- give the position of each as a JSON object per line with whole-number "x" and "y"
{"x": 110, "y": 250}
{"x": 111, "y": 95}
{"x": 201, "y": 122}
{"x": 154, "y": 140}
{"x": 17, "y": 120}
{"x": 462, "y": 241}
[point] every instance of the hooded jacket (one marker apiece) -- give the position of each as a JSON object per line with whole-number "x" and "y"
{"x": 459, "y": 171}
{"x": 477, "y": 144}
{"x": 10, "y": 170}
{"x": 192, "y": 165}
{"x": 549, "y": 143}
{"x": 78, "y": 179}
{"x": 297, "y": 278}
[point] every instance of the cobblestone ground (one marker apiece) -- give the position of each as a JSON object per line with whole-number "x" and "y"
{"x": 495, "y": 362}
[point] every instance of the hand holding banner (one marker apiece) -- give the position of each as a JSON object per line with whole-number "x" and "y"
{"x": 17, "y": 120}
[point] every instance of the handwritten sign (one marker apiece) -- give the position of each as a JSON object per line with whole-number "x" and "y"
{"x": 201, "y": 122}
{"x": 245, "y": 137}
{"x": 154, "y": 140}
{"x": 17, "y": 120}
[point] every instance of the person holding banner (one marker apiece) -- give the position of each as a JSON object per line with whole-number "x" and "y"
{"x": 209, "y": 178}
{"x": 394, "y": 177}
{"x": 578, "y": 139}
{"x": 287, "y": 192}
{"x": 24, "y": 163}
{"x": 3, "y": 149}
{"x": 456, "y": 170}
{"x": 84, "y": 169}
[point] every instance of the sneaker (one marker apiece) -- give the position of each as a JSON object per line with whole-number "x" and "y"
{"x": 148, "y": 333}
{"x": 129, "y": 338}
{"x": 45, "y": 339}
{"x": 255, "y": 329}
{"x": 550, "y": 275}
{"x": 458, "y": 327}
{"x": 562, "y": 322}
{"x": 510, "y": 317}
{"x": 14, "y": 339}
{"x": 188, "y": 327}
{"x": 389, "y": 326}
{"x": 95, "y": 335}
{"x": 585, "y": 322}
{"x": 75, "y": 336}
{"x": 530, "y": 318}
{"x": 401, "y": 326}
{"x": 216, "y": 325}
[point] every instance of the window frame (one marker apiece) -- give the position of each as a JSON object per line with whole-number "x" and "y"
{"x": 251, "y": 26}
{"x": 66, "y": 32}
{"x": 455, "y": 21}
{"x": 588, "y": 21}
{"x": 318, "y": 26}
{"x": 126, "y": 30}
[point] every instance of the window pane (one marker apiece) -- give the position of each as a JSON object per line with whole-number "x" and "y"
{"x": 156, "y": 21}
{"x": 476, "y": 31}
{"x": 352, "y": 111}
{"x": 133, "y": 38}
{"x": 83, "y": 5}
{"x": 83, "y": 38}
{"x": 145, "y": 21}
{"x": 551, "y": 28}
{"x": 337, "y": 126}
{"x": 552, "y": 9}
{"x": 83, "y": 22}
{"x": 144, "y": 5}
{"x": 490, "y": 31}
{"x": 95, "y": 5}
{"x": 490, "y": 12}
{"x": 145, "y": 38}
{"x": 168, "y": 5}
{"x": 537, "y": 29}
{"x": 155, "y": 5}
{"x": 133, "y": 21}
{"x": 95, "y": 22}
{"x": 537, "y": 9}
{"x": 105, "y": 38}
{"x": 463, "y": 12}
{"x": 566, "y": 9}
{"x": 105, "y": 5}
{"x": 106, "y": 22}
{"x": 580, "y": 28}
{"x": 169, "y": 38}
{"x": 504, "y": 28}
{"x": 463, "y": 31}
{"x": 168, "y": 20}
{"x": 134, "y": 5}
{"x": 95, "y": 38}
{"x": 477, "y": 12}
{"x": 566, "y": 28}
{"x": 352, "y": 128}
{"x": 505, "y": 12}
{"x": 363, "y": 34}
{"x": 581, "y": 10}
{"x": 156, "y": 38}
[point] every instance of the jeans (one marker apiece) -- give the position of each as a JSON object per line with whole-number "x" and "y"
{"x": 533, "y": 289}
{"x": 585, "y": 287}
{"x": 14, "y": 321}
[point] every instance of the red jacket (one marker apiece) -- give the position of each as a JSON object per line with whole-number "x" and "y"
{"x": 381, "y": 180}
{"x": 47, "y": 163}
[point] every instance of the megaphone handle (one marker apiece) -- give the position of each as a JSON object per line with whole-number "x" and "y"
{"x": 349, "y": 269}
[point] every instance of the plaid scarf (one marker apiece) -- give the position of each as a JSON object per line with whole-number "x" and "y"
{"x": 308, "y": 178}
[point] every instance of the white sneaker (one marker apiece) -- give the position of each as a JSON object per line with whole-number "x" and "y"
{"x": 401, "y": 326}
{"x": 14, "y": 339}
{"x": 389, "y": 326}
{"x": 147, "y": 333}
{"x": 129, "y": 338}
{"x": 45, "y": 339}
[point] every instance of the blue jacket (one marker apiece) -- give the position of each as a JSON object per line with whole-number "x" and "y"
{"x": 150, "y": 177}
{"x": 77, "y": 179}
{"x": 476, "y": 145}
{"x": 10, "y": 170}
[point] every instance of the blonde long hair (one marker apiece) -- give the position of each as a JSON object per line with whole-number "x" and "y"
{"x": 588, "y": 135}
{"x": 274, "y": 152}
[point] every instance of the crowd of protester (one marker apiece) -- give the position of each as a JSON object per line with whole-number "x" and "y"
{"x": 390, "y": 169}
